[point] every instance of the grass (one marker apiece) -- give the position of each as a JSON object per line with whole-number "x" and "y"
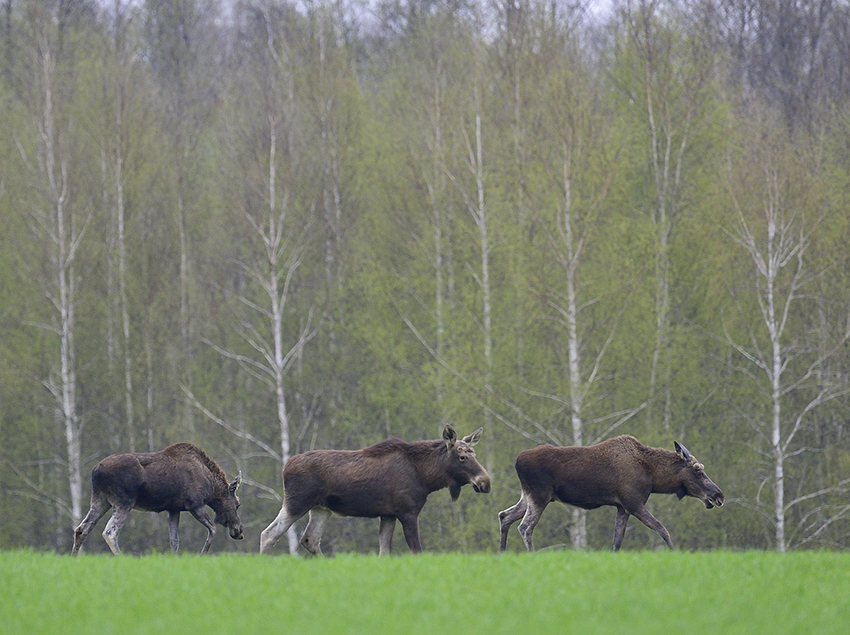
{"x": 550, "y": 592}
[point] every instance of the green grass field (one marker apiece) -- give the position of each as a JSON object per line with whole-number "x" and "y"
{"x": 551, "y": 592}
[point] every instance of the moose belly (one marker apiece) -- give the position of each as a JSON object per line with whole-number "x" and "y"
{"x": 585, "y": 495}
{"x": 361, "y": 507}
{"x": 363, "y": 500}
{"x": 166, "y": 498}
{"x": 152, "y": 504}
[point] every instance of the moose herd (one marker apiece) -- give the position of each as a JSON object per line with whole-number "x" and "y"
{"x": 392, "y": 480}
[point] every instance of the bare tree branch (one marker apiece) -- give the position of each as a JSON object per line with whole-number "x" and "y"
{"x": 242, "y": 434}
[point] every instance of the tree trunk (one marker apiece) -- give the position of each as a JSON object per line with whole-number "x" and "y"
{"x": 578, "y": 532}
{"x": 436, "y": 188}
{"x": 274, "y": 247}
{"x": 777, "y": 250}
{"x": 775, "y": 374}
{"x": 122, "y": 279}
{"x": 482, "y": 221}
{"x": 185, "y": 319}
{"x": 66, "y": 240}
{"x": 661, "y": 352}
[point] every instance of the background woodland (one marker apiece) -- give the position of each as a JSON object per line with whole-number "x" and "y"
{"x": 267, "y": 227}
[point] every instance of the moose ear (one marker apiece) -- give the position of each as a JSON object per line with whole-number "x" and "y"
{"x": 236, "y": 483}
{"x": 682, "y": 451}
{"x": 475, "y": 437}
{"x": 449, "y": 436}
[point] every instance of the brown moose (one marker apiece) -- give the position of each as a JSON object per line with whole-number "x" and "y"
{"x": 621, "y": 472}
{"x": 389, "y": 480}
{"x": 179, "y": 478}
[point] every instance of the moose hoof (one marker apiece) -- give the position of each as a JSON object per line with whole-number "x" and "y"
{"x": 309, "y": 546}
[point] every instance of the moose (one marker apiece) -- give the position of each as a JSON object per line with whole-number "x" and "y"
{"x": 390, "y": 480}
{"x": 179, "y": 478}
{"x": 621, "y": 472}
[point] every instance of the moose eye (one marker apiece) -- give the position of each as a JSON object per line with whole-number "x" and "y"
{"x": 461, "y": 457}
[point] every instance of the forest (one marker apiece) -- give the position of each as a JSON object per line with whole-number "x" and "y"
{"x": 269, "y": 226}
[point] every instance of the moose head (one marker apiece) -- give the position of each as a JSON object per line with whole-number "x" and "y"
{"x": 463, "y": 467}
{"x": 226, "y": 510}
{"x": 695, "y": 482}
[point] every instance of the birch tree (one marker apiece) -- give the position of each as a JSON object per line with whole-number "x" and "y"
{"x": 116, "y": 91}
{"x": 524, "y": 51}
{"x": 776, "y": 213}
{"x": 275, "y": 205}
{"x": 575, "y": 221}
{"x": 59, "y": 218}
{"x": 422, "y": 108}
{"x": 332, "y": 99}
{"x": 182, "y": 50}
{"x": 580, "y": 163}
{"x": 280, "y": 243}
{"x": 669, "y": 81}
{"x": 469, "y": 173}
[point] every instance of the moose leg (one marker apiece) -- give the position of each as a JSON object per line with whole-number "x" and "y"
{"x": 410, "y": 525}
{"x": 644, "y": 516}
{"x": 277, "y": 528}
{"x": 385, "y": 535}
{"x": 173, "y": 523}
{"x": 203, "y": 517}
{"x": 311, "y": 539}
{"x": 98, "y": 508}
{"x": 508, "y": 518}
{"x": 529, "y": 521}
{"x": 113, "y": 528}
{"x": 620, "y": 527}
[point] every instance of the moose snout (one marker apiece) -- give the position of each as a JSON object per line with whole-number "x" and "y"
{"x": 714, "y": 500}
{"x": 481, "y": 485}
{"x": 236, "y": 533}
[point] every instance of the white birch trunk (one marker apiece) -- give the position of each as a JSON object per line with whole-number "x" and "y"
{"x": 122, "y": 275}
{"x": 775, "y": 374}
{"x": 669, "y": 126}
{"x": 476, "y": 206}
{"x": 274, "y": 244}
{"x": 66, "y": 240}
{"x": 73, "y": 432}
{"x": 481, "y": 219}
{"x": 436, "y": 186}
{"x": 111, "y": 344}
{"x": 661, "y": 170}
{"x": 189, "y": 420}
{"x": 149, "y": 379}
{"x": 578, "y": 532}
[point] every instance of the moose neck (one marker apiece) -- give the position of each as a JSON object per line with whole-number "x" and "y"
{"x": 218, "y": 477}
{"x": 431, "y": 458}
{"x": 664, "y": 466}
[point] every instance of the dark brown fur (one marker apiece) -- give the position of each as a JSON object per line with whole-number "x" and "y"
{"x": 179, "y": 478}
{"x": 621, "y": 472}
{"x": 389, "y": 480}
